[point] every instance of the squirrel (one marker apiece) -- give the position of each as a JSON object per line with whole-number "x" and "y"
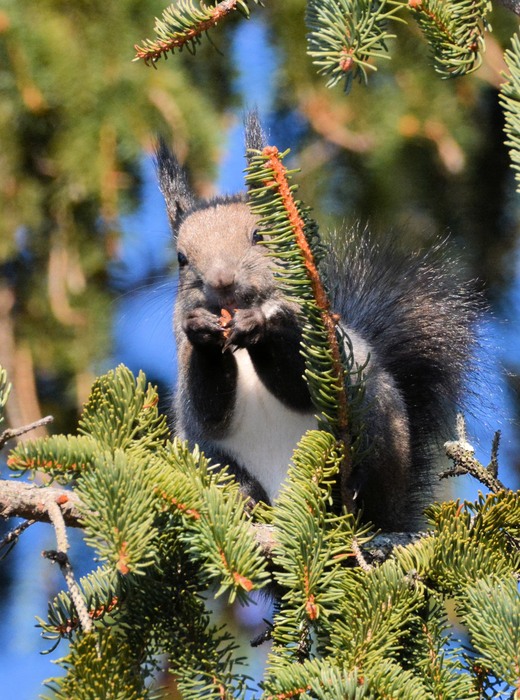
{"x": 241, "y": 396}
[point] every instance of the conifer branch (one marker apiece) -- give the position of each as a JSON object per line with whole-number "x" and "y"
{"x": 329, "y": 320}
{"x": 465, "y": 463}
{"x": 510, "y": 101}
{"x": 62, "y": 457}
{"x": 292, "y": 238}
{"x": 455, "y": 32}
{"x": 182, "y": 25}
{"x": 360, "y": 557}
{"x": 345, "y": 35}
{"x": 22, "y": 500}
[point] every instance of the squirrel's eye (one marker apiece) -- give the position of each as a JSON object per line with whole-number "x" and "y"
{"x": 257, "y": 236}
{"x": 182, "y": 259}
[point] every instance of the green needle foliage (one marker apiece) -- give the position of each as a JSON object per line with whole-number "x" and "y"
{"x": 346, "y": 39}
{"x": 455, "y": 32}
{"x": 212, "y": 528}
{"x": 311, "y": 548}
{"x": 121, "y": 413}
{"x": 182, "y": 25}
{"x": 291, "y": 237}
{"x": 492, "y": 615}
{"x": 103, "y": 665}
{"x": 281, "y": 219}
{"x": 63, "y": 457}
{"x": 168, "y": 527}
{"x": 345, "y": 35}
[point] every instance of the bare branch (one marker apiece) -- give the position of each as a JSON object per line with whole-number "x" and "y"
{"x": 21, "y": 500}
{"x": 11, "y": 433}
{"x": 12, "y": 537}
{"x": 61, "y": 557}
{"x": 378, "y": 550}
{"x": 461, "y": 452}
{"x": 360, "y": 557}
{"x": 465, "y": 463}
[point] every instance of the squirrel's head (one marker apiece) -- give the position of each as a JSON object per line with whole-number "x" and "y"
{"x": 216, "y": 239}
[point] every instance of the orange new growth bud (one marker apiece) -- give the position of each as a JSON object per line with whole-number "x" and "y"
{"x": 122, "y": 562}
{"x": 242, "y": 581}
{"x": 346, "y": 62}
{"x": 311, "y": 608}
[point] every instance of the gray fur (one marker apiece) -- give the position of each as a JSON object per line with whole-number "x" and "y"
{"x": 255, "y": 138}
{"x": 408, "y": 314}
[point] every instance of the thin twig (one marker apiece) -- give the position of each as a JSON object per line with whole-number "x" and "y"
{"x": 153, "y": 50}
{"x": 462, "y": 454}
{"x": 12, "y": 537}
{"x": 11, "y": 433}
{"x": 61, "y": 557}
{"x": 493, "y": 464}
{"x": 465, "y": 463}
{"x": 360, "y": 558}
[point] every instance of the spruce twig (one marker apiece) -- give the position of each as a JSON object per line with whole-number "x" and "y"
{"x": 510, "y": 102}
{"x": 462, "y": 454}
{"x": 22, "y": 500}
{"x": 346, "y": 35}
{"x": 360, "y": 557}
{"x": 182, "y": 25}
{"x": 288, "y": 239}
{"x": 455, "y": 32}
{"x": 61, "y": 558}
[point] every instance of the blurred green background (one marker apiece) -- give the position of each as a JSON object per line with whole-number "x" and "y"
{"x": 83, "y": 236}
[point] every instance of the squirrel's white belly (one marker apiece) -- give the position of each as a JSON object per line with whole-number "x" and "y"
{"x": 264, "y": 431}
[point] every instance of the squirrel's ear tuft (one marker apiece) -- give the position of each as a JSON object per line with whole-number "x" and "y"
{"x": 173, "y": 184}
{"x": 254, "y": 136}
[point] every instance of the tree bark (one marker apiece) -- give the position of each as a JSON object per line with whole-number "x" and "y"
{"x": 21, "y": 500}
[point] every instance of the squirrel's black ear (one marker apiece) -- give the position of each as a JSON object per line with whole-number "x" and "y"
{"x": 173, "y": 184}
{"x": 254, "y": 136}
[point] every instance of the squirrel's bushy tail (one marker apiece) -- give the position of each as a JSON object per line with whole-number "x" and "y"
{"x": 420, "y": 321}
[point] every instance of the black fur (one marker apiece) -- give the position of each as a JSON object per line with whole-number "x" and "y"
{"x": 419, "y": 320}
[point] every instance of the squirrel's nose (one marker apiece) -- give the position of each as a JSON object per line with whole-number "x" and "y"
{"x": 221, "y": 279}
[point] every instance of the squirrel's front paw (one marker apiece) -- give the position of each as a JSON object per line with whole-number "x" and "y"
{"x": 246, "y": 327}
{"x": 203, "y": 328}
